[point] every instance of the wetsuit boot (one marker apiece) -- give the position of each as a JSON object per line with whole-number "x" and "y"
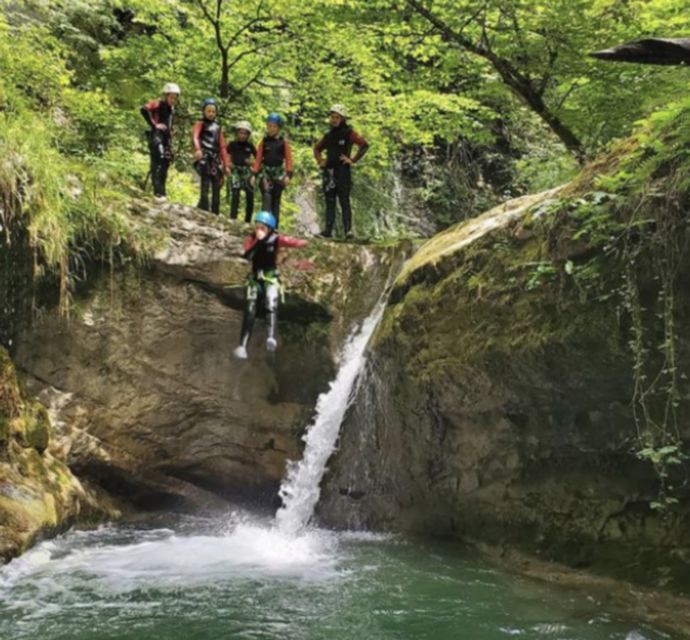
{"x": 240, "y": 351}
{"x": 272, "y": 317}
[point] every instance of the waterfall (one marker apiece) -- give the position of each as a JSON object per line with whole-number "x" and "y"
{"x": 301, "y": 488}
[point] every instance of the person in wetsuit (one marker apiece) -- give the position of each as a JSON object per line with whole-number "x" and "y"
{"x": 273, "y": 166}
{"x": 242, "y": 153}
{"x": 159, "y": 116}
{"x": 337, "y": 167}
{"x": 263, "y": 283}
{"x": 210, "y": 155}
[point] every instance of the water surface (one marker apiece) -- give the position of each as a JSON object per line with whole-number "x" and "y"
{"x": 241, "y": 577}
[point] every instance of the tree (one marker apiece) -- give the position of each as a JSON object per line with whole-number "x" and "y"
{"x": 248, "y": 31}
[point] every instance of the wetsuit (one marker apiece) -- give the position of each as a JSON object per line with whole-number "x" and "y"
{"x": 263, "y": 283}
{"x": 240, "y": 172}
{"x": 272, "y": 165}
{"x": 160, "y": 142}
{"x": 337, "y": 175}
{"x": 207, "y": 137}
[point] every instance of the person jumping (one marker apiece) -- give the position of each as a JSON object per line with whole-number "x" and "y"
{"x": 263, "y": 283}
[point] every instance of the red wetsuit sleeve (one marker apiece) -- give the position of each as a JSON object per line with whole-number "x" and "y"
{"x": 259, "y": 158}
{"x": 196, "y": 135}
{"x": 362, "y": 146}
{"x": 319, "y": 147}
{"x": 248, "y": 243}
{"x": 150, "y": 112}
{"x": 225, "y": 158}
{"x": 357, "y": 139}
{"x": 288, "y": 159}
{"x": 288, "y": 242}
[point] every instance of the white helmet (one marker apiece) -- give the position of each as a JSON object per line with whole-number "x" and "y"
{"x": 339, "y": 109}
{"x": 171, "y": 87}
{"x": 243, "y": 124}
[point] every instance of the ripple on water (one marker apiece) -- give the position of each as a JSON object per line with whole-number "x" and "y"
{"x": 202, "y": 581}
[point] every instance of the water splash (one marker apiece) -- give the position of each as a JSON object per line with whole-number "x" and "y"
{"x": 301, "y": 488}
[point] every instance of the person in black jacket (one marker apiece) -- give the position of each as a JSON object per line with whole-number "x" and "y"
{"x": 336, "y": 167}
{"x": 159, "y": 115}
{"x": 242, "y": 153}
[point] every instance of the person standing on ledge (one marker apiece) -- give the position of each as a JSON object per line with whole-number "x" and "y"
{"x": 242, "y": 153}
{"x": 337, "y": 173}
{"x": 159, "y": 115}
{"x": 210, "y": 155}
{"x": 273, "y": 166}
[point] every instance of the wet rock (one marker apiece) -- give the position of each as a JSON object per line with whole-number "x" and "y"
{"x": 39, "y": 495}
{"x": 499, "y": 409}
{"x": 158, "y": 410}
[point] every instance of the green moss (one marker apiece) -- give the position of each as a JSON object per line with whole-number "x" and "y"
{"x": 38, "y": 427}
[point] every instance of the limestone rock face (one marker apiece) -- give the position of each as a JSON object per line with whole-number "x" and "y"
{"x": 160, "y": 411}
{"x": 38, "y": 493}
{"x": 497, "y": 405}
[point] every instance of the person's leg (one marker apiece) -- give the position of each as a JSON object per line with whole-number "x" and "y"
{"x": 266, "y": 194}
{"x": 156, "y": 160}
{"x": 249, "y": 202}
{"x": 248, "y": 320}
{"x": 165, "y": 165}
{"x": 216, "y": 182}
{"x": 235, "y": 203}
{"x": 345, "y": 208}
{"x": 277, "y": 196}
{"x": 272, "y": 295}
{"x": 330, "y": 199}
{"x": 203, "y": 196}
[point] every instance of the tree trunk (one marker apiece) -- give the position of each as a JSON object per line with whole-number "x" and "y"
{"x": 224, "y": 89}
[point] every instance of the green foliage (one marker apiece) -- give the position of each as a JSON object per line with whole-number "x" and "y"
{"x": 620, "y": 236}
{"x": 450, "y": 136}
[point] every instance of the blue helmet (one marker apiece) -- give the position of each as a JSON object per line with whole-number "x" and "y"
{"x": 275, "y": 118}
{"x": 207, "y": 102}
{"x": 267, "y": 218}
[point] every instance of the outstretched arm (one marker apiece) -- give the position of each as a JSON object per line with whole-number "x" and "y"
{"x": 288, "y": 242}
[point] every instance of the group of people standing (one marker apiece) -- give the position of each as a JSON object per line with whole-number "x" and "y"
{"x": 268, "y": 165}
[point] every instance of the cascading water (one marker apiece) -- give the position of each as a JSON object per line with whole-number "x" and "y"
{"x": 250, "y": 577}
{"x": 301, "y": 489}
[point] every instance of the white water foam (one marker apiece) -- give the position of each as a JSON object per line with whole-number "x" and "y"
{"x": 301, "y": 489}
{"x": 164, "y": 561}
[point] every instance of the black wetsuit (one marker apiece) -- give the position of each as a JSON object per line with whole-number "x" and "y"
{"x": 337, "y": 175}
{"x": 160, "y": 142}
{"x": 239, "y": 153}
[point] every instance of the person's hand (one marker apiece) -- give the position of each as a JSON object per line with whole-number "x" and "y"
{"x": 226, "y": 170}
{"x": 161, "y": 127}
{"x": 198, "y": 154}
{"x": 346, "y": 159}
{"x": 252, "y": 181}
{"x": 286, "y": 181}
{"x": 249, "y": 162}
{"x": 322, "y": 163}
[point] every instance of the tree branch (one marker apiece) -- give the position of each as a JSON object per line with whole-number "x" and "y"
{"x": 248, "y": 52}
{"x": 520, "y": 83}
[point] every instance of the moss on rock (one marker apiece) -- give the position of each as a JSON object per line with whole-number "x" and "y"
{"x": 38, "y": 493}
